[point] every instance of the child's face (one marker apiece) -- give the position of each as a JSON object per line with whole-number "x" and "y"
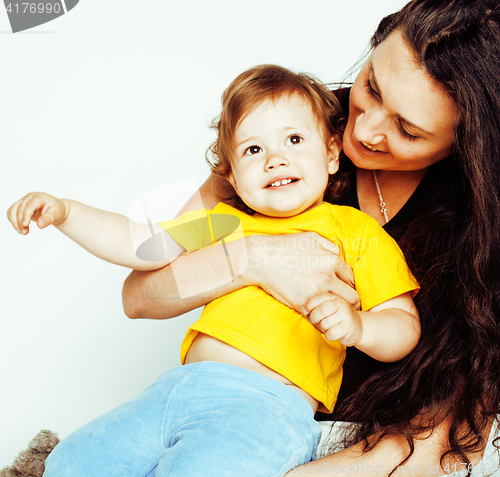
{"x": 282, "y": 142}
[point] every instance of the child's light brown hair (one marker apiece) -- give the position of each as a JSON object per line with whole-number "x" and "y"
{"x": 269, "y": 82}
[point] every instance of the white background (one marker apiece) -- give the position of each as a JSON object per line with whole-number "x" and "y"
{"x": 102, "y": 105}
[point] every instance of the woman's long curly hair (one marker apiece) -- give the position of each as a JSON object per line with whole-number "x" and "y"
{"x": 453, "y": 248}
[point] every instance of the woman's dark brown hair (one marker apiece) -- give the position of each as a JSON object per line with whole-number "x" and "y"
{"x": 453, "y": 248}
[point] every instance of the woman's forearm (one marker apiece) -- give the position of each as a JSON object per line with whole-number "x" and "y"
{"x": 189, "y": 282}
{"x": 278, "y": 264}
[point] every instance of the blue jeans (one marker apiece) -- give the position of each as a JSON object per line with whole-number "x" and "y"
{"x": 203, "y": 419}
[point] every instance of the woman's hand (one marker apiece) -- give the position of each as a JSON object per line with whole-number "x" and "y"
{"x": 40, "y": 207}
{"x": 294, "y": 268}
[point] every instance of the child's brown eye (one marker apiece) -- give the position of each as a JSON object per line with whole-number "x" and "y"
{"x": 293, "y": 140}
{"x": 252, "y": 150}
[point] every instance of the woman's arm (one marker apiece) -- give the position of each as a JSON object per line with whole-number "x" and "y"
{"x": 155, "y": 294}
{"x": 292, "y": 268}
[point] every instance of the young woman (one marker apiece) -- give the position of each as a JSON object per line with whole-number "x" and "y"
{"x": 423, "y": 136}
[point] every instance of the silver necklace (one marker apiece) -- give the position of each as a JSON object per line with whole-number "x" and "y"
{"x": 382, "y": 203}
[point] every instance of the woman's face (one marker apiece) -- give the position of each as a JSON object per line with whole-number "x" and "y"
{"x": 399, "y": 118}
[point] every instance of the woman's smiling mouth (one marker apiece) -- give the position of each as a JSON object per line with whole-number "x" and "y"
{"x": 369, "y": 147}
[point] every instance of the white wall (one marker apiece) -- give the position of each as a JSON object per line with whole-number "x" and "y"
{"x": 102, "y": 105}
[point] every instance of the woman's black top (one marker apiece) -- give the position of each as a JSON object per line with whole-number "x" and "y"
{"x": 358, "y": 366}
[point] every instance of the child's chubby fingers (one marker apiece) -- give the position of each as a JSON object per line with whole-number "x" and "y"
{"x": 317, "y": 300}
{"x": 335, "y": 331}
{"x": 324, "y": 306}
{"x": 327, "y": 326}
{"x": 12, "y": 215}
{"x": 29, "y": 210}
{"x": 328, "y": 321}
{"x": 38, "y": 206}
{"x": 336, "y": 319}
{"x": 337, "y": 328}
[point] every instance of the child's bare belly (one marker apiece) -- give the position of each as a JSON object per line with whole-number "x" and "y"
{"x": 207, "y": 348}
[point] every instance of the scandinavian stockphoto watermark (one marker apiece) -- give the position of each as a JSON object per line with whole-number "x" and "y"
{"x": 295, "y": 246}
{"x": 26, "y": 15}
{"x": 483, "y": 468}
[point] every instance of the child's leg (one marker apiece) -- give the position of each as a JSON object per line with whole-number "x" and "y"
{"x": 127, "y": 441}
{"x": 234, "y": 422}
{"x": 207, "y": 419}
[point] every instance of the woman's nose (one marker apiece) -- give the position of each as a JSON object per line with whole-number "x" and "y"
{"x": 370, "y": 126}
{"x": 276, "y": 160}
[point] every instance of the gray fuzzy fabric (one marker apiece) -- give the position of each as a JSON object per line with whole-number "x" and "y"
{"x": 31, "y": 462}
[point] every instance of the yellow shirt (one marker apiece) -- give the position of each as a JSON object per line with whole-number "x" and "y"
{"x": 279, "y": 337}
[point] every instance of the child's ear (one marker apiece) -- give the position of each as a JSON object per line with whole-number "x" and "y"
{"x": 232, "y": 180}
{"x": 333, "y": 155}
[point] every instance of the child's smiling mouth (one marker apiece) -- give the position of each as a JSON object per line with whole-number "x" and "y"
{"x": 279, "y": 182}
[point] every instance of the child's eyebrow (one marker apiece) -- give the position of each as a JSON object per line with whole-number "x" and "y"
{"x": 297, "y": 127}
{"x": 285, "y": 128}
{"x": 250, "y": 139}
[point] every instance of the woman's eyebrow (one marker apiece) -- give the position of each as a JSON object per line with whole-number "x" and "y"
{"x": 401, "y": 118}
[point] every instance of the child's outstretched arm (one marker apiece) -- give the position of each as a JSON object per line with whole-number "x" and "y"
{"x": 388, "y": 332}
{"x": 104, "y": 234}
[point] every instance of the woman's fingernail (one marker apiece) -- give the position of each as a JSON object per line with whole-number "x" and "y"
{"x": 42, "y": 223}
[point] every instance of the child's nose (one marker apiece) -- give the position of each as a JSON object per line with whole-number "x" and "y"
{"x": 275, "y": 161}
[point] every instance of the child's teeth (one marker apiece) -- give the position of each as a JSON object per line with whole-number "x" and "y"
{"x": 283, "y": 182}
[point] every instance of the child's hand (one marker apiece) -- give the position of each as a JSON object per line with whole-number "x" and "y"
{"x": 335, "y": 318}
{"x": 42, "y": 208}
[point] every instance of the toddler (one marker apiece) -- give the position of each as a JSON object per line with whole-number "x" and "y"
{"x": 254, "y": 371}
